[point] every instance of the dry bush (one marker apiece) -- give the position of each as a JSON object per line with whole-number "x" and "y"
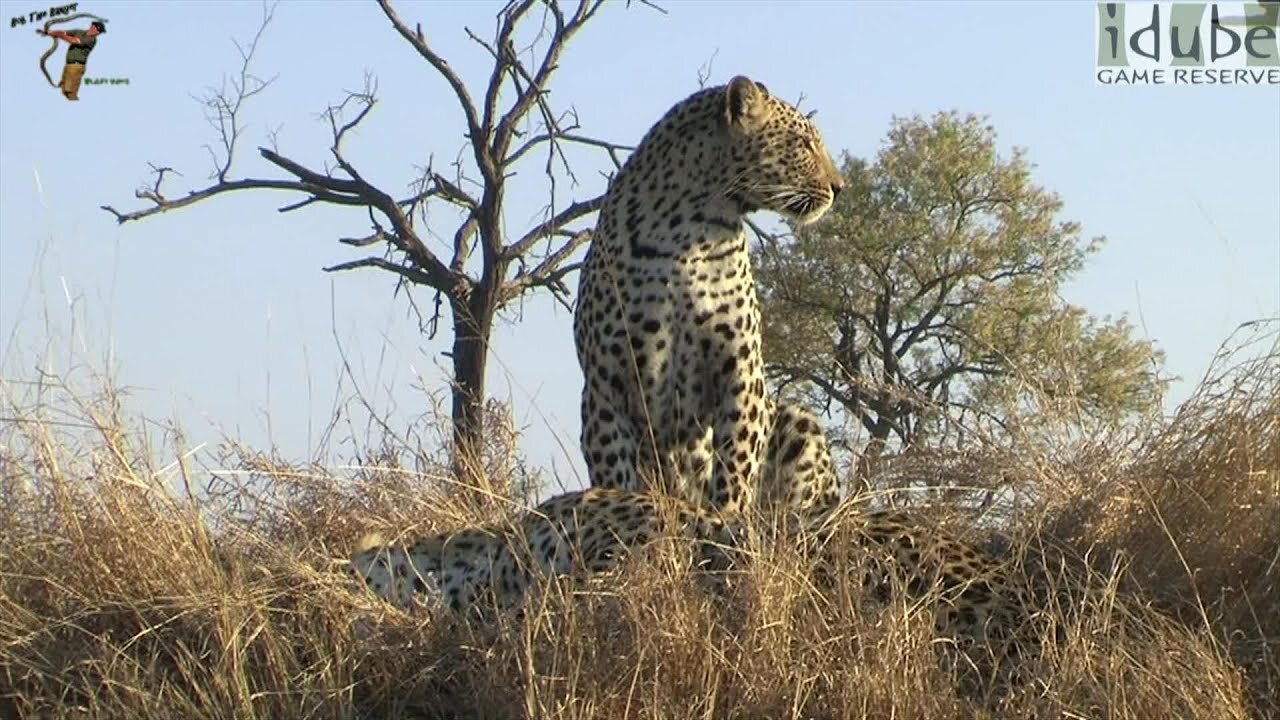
{"x": 140, "y": 580}
{"x": 134, "y": 589}
{"x": 1194, "y": 507}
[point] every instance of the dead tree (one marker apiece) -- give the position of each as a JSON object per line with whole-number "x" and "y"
{"x": 509, "y": 122}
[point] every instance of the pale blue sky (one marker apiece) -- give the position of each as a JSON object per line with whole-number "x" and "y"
{"x": 219, "y": 315}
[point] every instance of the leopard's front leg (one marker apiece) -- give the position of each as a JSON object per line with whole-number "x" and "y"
{"x": 739, "y": 437}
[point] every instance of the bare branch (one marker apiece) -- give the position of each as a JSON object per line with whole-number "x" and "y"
{"x": 704, "y": 70}
{"x": 453, "y": 193}
{"x": 298, "y": 205}
{"x": 223, "y": 105}
{"x": 564, "y": 217}
{"x": 408, "y": 272}
{"x": 378, "y": 235}
{"x": 462, "y": 244}
{"x": 367, "y": 98}
{"x": 537, "y": 83}
{"x": 549, "y": 273}
{"x": 160, "y": 171}
{"x": 531, "y": 143}
{"x": 419, "y": 43}
{"x": 503, "y": 54}
{"x": 405, "y": 238}
{"x": 309, "y": 176}
{"x": 273, "y": 137}
{"x": 648, "y": 4}
{"x": 162, "y": 204}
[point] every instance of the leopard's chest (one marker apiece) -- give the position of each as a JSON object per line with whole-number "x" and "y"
{"x": 666, "y": 329}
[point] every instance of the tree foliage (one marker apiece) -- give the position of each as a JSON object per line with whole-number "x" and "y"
{"x": 926, "y": 305}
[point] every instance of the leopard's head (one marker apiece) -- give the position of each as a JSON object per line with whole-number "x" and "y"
{"x": 444, "y": 569}
{"x": 777, "y": 159}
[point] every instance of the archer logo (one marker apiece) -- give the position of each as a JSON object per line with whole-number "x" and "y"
{"x": 1148, "y": 43}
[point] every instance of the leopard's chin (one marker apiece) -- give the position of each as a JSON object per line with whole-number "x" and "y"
{"x": 808, "y": 208}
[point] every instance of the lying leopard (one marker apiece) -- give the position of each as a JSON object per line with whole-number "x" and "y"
{"x": 667, "y": 326}
{"x": 973, "y": 597}
{"x": 580, "y": 534}
{"x": 590, "y": 532}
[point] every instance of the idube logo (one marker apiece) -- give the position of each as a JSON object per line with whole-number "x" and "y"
{"x": 1148, "y": 43}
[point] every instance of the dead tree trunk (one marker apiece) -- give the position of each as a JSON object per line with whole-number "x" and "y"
{"x": 472, "y": 328}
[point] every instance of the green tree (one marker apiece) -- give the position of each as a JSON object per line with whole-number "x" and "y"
{"x": 926, "y": 305}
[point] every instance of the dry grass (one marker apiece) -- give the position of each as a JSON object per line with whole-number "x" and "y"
{"x": 136, "y": 584}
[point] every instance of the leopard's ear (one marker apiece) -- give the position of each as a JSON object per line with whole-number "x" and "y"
{"x": 369, "y": 540}
{"x": 746, "y": 104}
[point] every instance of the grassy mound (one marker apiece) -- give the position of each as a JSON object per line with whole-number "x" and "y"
{"x": 134, "y": 584}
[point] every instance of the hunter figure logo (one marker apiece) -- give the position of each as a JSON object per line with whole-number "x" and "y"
{"x": 80, "y": 44}
{"x": 1148, "y": 43}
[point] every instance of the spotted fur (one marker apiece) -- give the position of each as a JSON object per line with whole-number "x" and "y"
{"x": 592, "y": 531}
{"x": 577, "y": 534}
{"x": 974, "y": 598}
{"x": 891, "y": 555}
{"x": 667, "y": 326}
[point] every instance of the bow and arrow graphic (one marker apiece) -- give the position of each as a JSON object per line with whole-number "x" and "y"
{"x": 54, "y": 47}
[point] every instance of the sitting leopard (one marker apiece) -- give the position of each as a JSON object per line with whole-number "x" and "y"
{"x": 667, "y": 326}
{"x": 798, "y": 476}
{"x": 578, "y": 534}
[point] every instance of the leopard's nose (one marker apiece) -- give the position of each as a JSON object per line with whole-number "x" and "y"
{"x": 836, "y": 187}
